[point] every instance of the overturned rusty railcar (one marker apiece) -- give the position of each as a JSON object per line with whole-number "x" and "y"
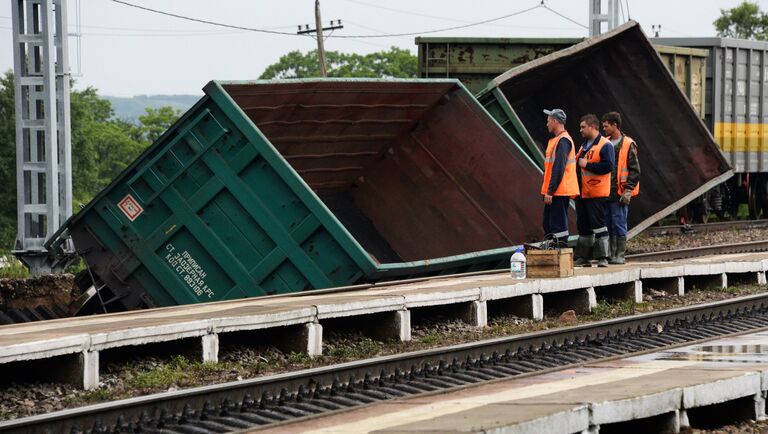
{"x": 620, "y": 71}
{"x": 270, "y": 187}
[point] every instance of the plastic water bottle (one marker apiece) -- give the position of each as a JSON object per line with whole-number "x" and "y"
{"x": 517, "y": 264}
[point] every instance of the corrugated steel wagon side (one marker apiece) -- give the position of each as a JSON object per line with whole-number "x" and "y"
{"x": 274, "y": 187}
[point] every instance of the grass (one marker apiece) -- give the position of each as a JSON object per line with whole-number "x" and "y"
{"x": 14, "y": 268}
{"x": 367, "y": 347}
{"x": 179, "y": 371}
{"x": 605, "y": 309}
{"x": 430, "y": 338}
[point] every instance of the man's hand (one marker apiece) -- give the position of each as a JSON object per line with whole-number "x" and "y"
{"x": 582, "y": 162}
{"x": 547, "y": 199}
{"x": 626, "y": 197}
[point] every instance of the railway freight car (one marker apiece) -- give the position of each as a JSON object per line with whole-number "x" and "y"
{"x": 619, "y": 71}
{"x": 476, "y": 61}
{"x": 736, "y": 111}
{"x": 273, "y": 187}
{"x": 270, "y": 187}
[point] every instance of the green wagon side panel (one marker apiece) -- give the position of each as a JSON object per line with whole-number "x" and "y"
{"x": 271, "y": 187}
{"x": 215, "y": 221}
{"x": 494, "y": 101}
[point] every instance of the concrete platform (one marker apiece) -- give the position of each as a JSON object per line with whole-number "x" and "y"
{"x": 659, "y": 392}
{"x": 384, "y": 311}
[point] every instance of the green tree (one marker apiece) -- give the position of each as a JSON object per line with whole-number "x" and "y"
{"x": 154, "y": 122}
{"x": 743, "y": 21}
{"x": 7, "y": 162}
{"x": 395, "y": 62}
{"x": 102, "y": 147}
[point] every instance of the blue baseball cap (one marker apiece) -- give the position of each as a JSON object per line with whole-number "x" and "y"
{"x": 557, "y": 113}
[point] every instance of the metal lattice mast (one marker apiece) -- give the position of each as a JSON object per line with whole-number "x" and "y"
{"x": 43, "y": 142}
{"x": 597, "y": 17}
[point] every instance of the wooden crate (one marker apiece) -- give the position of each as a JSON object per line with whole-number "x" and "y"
{"x": 549, "y": 263}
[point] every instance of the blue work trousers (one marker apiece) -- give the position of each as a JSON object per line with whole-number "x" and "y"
{"x": 616, "y": 218}
{"x": 556, "y": 217}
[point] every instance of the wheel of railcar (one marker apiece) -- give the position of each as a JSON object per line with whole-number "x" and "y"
{"x": 762, "y": 197}
{"x": 752, "y": 201}
{"x": 700, "y": 212}
{"x": 697, "y": 211}
{"x": 703, "y": 216}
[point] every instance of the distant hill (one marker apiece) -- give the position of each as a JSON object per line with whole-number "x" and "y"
{"x": 130, "y": 108}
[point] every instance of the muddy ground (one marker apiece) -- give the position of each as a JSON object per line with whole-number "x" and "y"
{"x": 48, "y": 290}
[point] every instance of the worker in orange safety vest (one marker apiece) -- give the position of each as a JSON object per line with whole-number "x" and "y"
{"x": 560, "y": 182}
{"x": 596, "y": 160}
{"x": 625, "y": 184}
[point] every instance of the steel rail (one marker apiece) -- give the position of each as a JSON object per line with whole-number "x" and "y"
{"x": 695, "y": 252}
{"x": 706, "y": 227}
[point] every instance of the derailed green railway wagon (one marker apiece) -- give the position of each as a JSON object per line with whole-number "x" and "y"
{"x": 273, "y": 187}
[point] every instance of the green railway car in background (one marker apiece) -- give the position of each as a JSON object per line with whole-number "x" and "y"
{"x": 476, "y": 61}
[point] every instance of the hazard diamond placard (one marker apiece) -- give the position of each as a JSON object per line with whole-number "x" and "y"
{"x": 130, "y": 207}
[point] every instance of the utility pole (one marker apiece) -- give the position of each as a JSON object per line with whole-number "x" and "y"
{"x": 320, "y": 46}
{"x": 318, "y": 30}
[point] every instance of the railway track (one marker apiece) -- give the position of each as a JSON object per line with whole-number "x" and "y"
{"x": 706, "y": 227}
{"x": 694, "y": 252}
{"x": 287, "y": 397}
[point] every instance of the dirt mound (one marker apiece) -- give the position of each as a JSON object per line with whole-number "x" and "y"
{"x": 48, "y": 290}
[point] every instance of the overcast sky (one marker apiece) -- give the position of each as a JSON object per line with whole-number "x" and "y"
{"x": 127, "y": 51}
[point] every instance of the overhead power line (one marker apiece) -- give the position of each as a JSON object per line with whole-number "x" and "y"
{"x": 198, "y": 20}
{"x": 436, "y": 17}
{"x": 386, "y": 35}
{"x": 445, "y": 29}
{"x": 565, "y": 17}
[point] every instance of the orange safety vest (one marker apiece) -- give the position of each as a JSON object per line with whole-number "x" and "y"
{"x": 592, "y": 184}
{"x": 569, "y": 185}
{"x": 622, "y": 171}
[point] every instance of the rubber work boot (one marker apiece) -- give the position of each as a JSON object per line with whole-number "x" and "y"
{"x": 612, "y": 254}
{"x": 602, "y": 250}
{"x": 582, "y": 252}
{"x": 621, "y": 249}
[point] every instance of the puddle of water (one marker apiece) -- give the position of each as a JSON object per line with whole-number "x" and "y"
{"x": 721, "y": 353}
{"x": 732, "y": 349}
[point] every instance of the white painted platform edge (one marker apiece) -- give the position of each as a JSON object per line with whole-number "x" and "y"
{"x": 722, "y": 390}
{"x": 44, "y": 349}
